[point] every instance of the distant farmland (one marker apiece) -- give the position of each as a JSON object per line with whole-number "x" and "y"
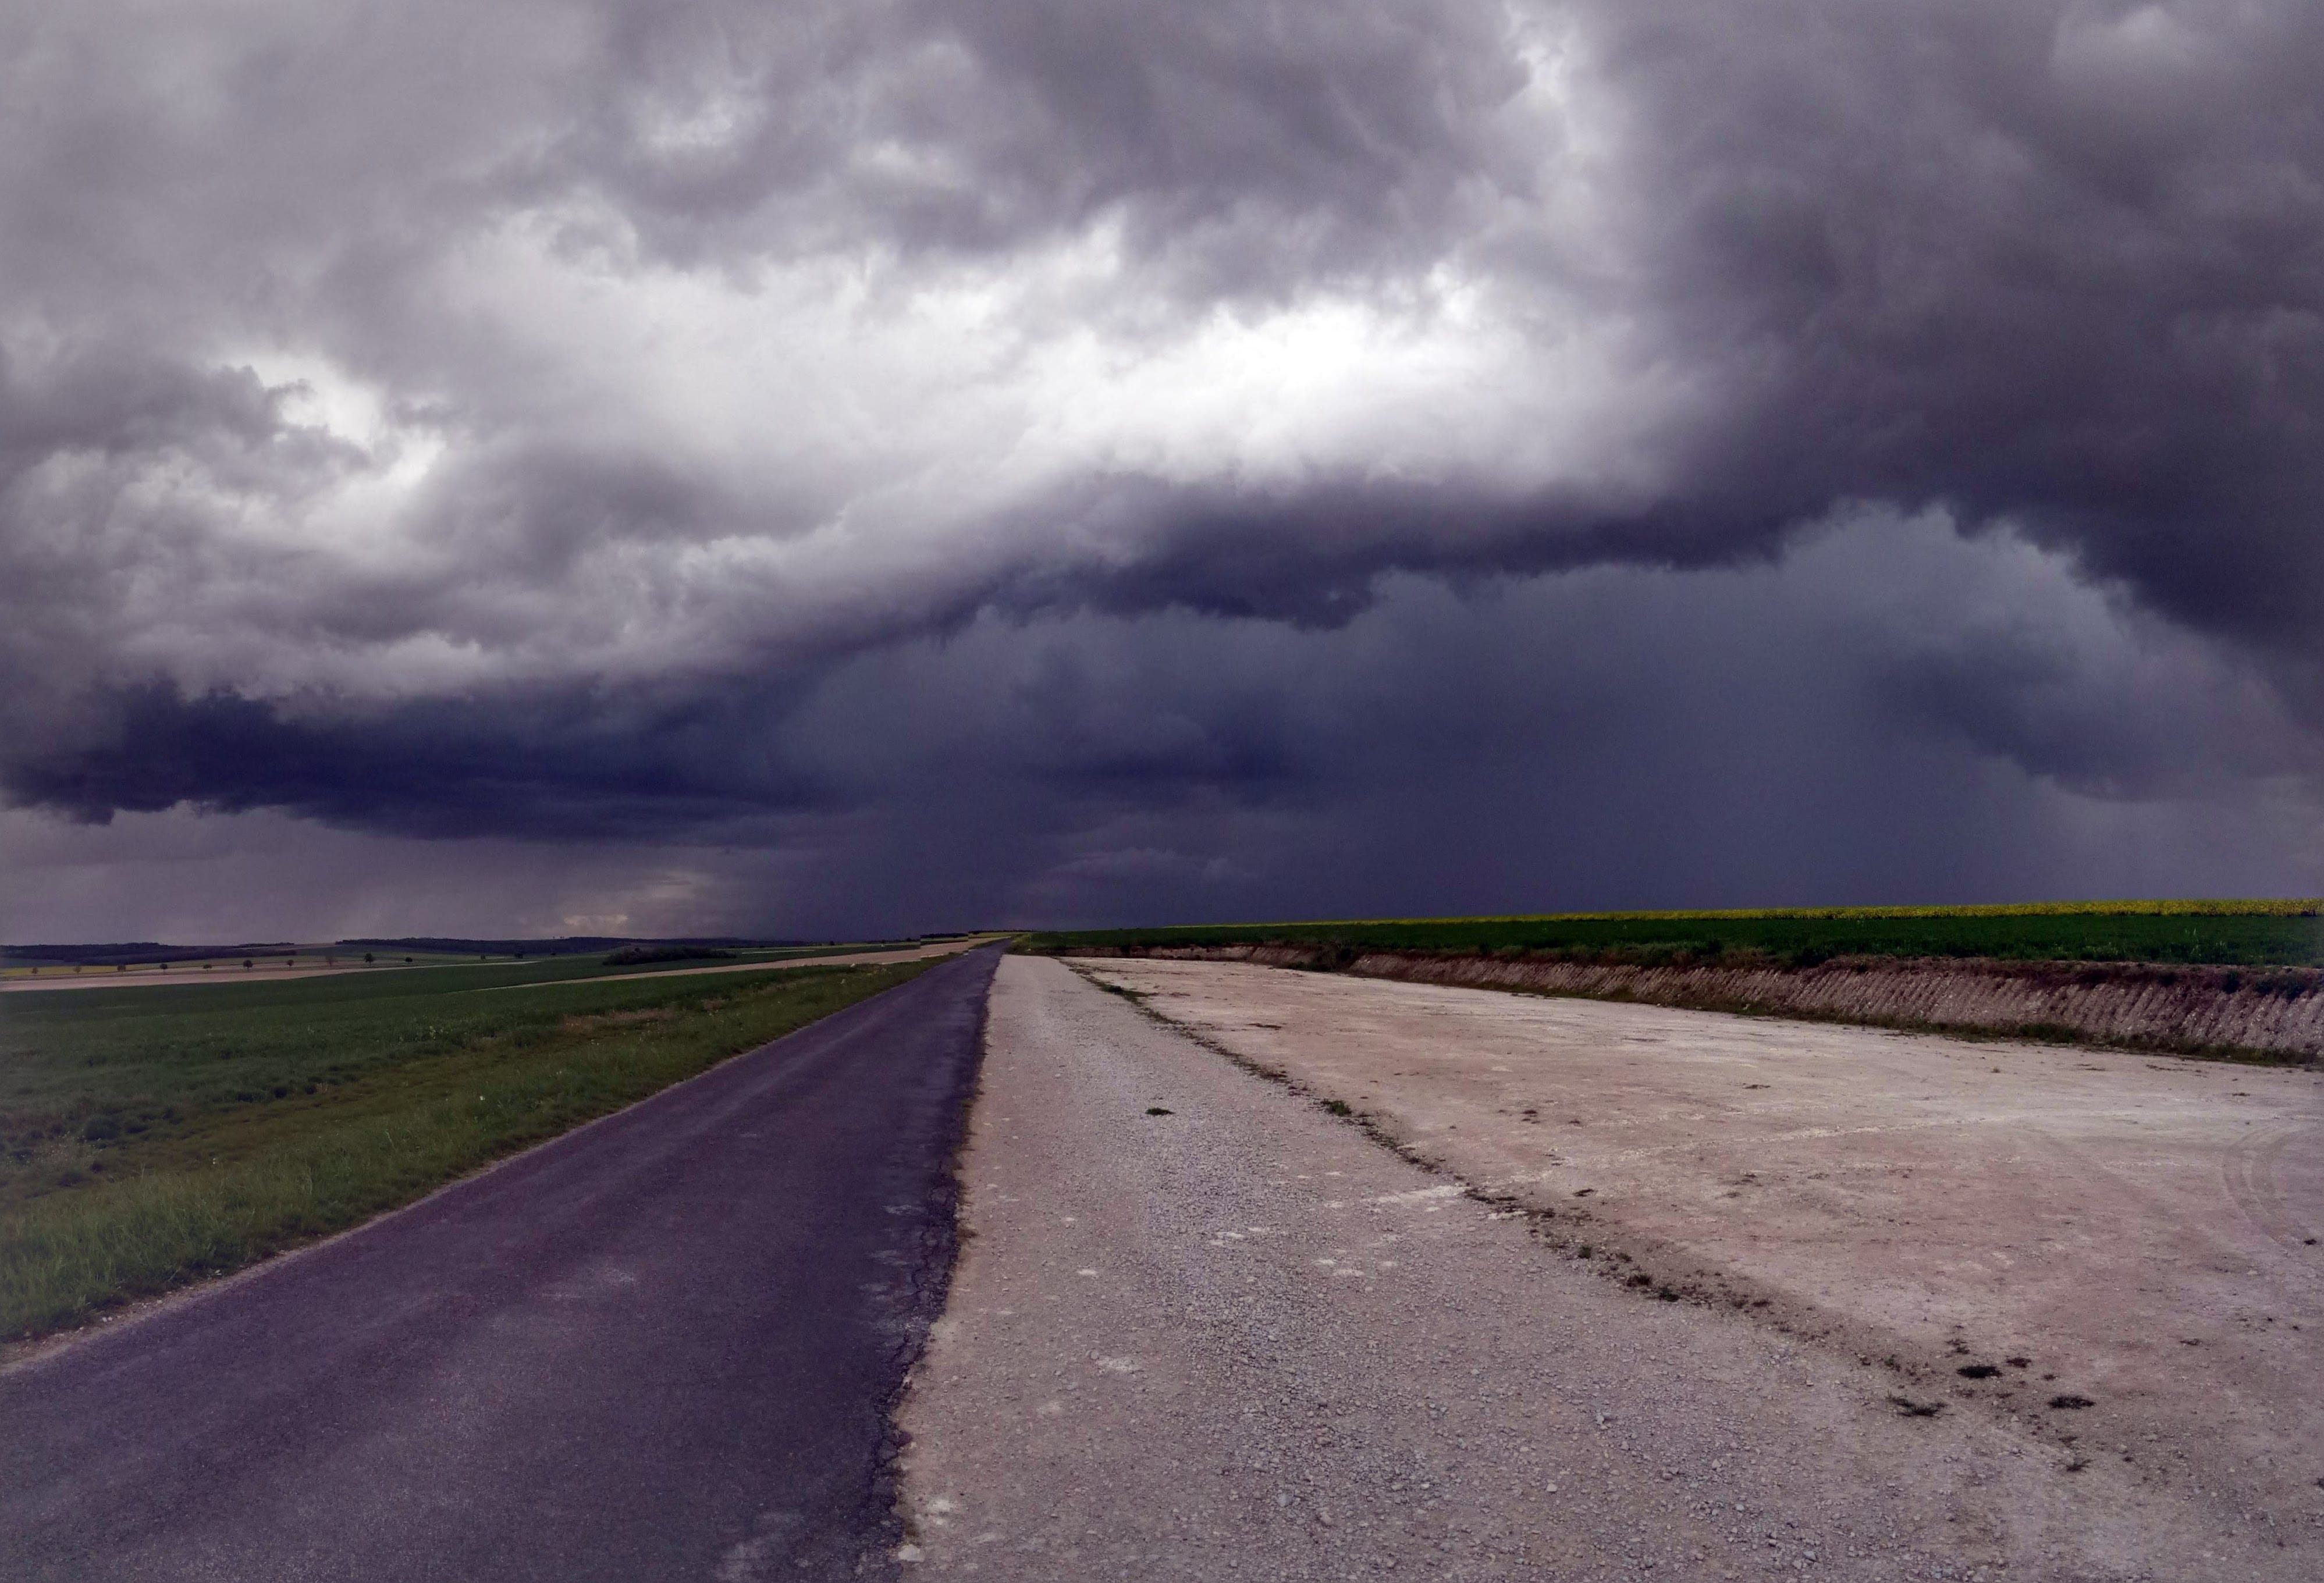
{"x": 2230, "y": 933}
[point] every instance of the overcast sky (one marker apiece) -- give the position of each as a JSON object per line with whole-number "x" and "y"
{"x": 814, "y": 468}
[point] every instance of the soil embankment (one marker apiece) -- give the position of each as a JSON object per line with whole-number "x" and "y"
{"x": 2271, "y": 1013}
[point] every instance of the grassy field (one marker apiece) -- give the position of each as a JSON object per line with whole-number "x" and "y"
{"x": 149, "y": 1137}
{"x": 223, "y": 968}
{"x": 2246, "y": 932}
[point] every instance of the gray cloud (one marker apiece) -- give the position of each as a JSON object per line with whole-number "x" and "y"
{"x": 523, "y": 422}
{"x": 2055, "y": 263}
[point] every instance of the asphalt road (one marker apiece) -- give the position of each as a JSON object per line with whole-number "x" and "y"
{"x": 662, "y": 1346}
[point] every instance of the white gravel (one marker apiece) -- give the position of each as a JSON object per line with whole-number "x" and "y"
{"x": 2135, "y": 1233}
{"x": 1243, "y": 1340}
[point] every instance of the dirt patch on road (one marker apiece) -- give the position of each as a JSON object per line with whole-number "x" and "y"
{"x": 2270, "y": 1014}
{"x": 2116, "y": 1254}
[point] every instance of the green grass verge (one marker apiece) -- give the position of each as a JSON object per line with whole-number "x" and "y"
{"x": 2256, "y": 933}
{"x": 149, "y": 1137}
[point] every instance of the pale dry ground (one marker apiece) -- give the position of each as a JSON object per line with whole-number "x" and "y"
{"x": 2143, "y": 1229}
{"x": 190, "y": 973}
{"x": 1244, "y": 1341}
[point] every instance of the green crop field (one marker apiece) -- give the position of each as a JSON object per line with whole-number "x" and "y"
{"x": 149, "y": 1137}
{"x": 224, "y": 967}
{"x": 2258, "y": 933}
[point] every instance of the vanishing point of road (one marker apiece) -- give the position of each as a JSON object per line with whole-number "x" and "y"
{"x": 663, "y": 1345}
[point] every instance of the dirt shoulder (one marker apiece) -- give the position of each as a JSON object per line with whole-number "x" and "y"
{"x": 2141, "y": 1232}
{"x": 1238, "y": 1338}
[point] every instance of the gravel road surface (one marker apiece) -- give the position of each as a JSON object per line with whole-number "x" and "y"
{"x": 1242, "y": 1340}
{"x": 2136, "y": 1235}
{"x": 662, "y": 1347}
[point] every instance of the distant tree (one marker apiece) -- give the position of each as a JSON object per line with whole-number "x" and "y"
{"x": 246, "y": 962}
{"x": 367, "y": 959}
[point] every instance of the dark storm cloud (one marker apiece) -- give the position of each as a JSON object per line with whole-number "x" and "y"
{"x": 514, "y": 419}
{"x": 557, "y": 766}
{"x": 1890, "y": 713}
{"x": 2059, "y": 264}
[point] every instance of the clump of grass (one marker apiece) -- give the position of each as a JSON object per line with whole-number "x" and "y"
{"x": 221, "y": 1172}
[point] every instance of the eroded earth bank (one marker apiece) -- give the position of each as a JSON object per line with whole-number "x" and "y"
{"x": 2270, "y": 1013}
{"x": 1202, "y": 1325}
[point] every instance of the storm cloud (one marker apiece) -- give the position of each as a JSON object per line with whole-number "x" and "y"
{"x": 740, "y": 429}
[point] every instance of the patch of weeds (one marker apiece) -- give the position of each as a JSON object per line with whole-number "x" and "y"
{"x": 1158, "y": 1110}
{"x": 2067, "y": 1401}
{"x": 1976, "y": 1371}
{"x": 1338, "y": 1107}
{"x": 1912, "y": 1409}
